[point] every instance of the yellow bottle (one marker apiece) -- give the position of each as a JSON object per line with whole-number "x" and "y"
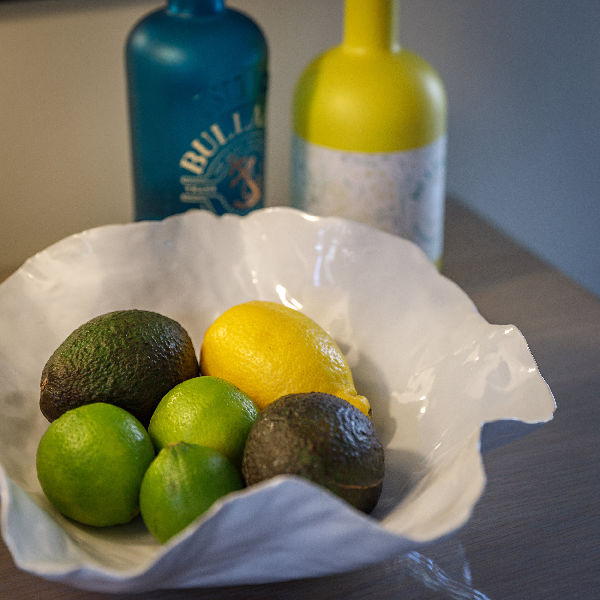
{"x": 369, "y": 141}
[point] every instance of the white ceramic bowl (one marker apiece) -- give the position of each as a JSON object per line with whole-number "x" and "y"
{"x": 434, "y": 370}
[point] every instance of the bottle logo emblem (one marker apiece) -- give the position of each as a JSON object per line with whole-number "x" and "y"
{"x": 242, "y": 172}
{"x": 224, "y": 165}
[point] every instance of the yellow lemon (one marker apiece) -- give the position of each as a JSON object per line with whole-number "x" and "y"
{"x": 269, "y": 350}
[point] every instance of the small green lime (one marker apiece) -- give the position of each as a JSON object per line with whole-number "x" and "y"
{"x": 204, "y": 410}
{"x": 182, "y": 483}
{"x": 90, "y": 463}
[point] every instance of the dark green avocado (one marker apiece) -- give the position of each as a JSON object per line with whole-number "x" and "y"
{"x": 322, "y": 438}
{"x": 130, "y": 358}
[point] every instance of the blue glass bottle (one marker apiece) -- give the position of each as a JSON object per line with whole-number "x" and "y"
{"x": 197, "y": 84}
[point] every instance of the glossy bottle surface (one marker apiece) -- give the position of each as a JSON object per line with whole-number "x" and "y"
{"x": 197, "y": 81}
{"x": 369, "y": 121}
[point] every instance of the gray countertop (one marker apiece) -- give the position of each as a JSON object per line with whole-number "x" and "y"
{"x": 535, "y": 533}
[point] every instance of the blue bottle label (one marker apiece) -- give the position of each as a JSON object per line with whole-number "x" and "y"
{"x": 223, "y": 166}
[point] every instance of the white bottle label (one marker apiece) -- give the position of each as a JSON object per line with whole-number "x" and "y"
{"x": 398, "y": 192}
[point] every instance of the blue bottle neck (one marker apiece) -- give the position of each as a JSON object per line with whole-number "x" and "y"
{"x": 195, "y": 7}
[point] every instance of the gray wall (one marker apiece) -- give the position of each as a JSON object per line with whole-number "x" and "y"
{"x": 523, "y": 80}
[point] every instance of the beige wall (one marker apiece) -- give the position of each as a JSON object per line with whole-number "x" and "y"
{"x": 64, "y": 145}
{"x": 522, "y": 146}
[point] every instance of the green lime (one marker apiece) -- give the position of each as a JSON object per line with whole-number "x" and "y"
{"x": 90, "y": 463}
{"x": 204, "y": 410}
{"x": 182, "y": 483}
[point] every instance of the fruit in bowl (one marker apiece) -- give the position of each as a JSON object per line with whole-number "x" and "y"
{"x": 203, "y": 425}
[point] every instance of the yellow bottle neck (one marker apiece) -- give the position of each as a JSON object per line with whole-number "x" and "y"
{"x": 371, "y": 25}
